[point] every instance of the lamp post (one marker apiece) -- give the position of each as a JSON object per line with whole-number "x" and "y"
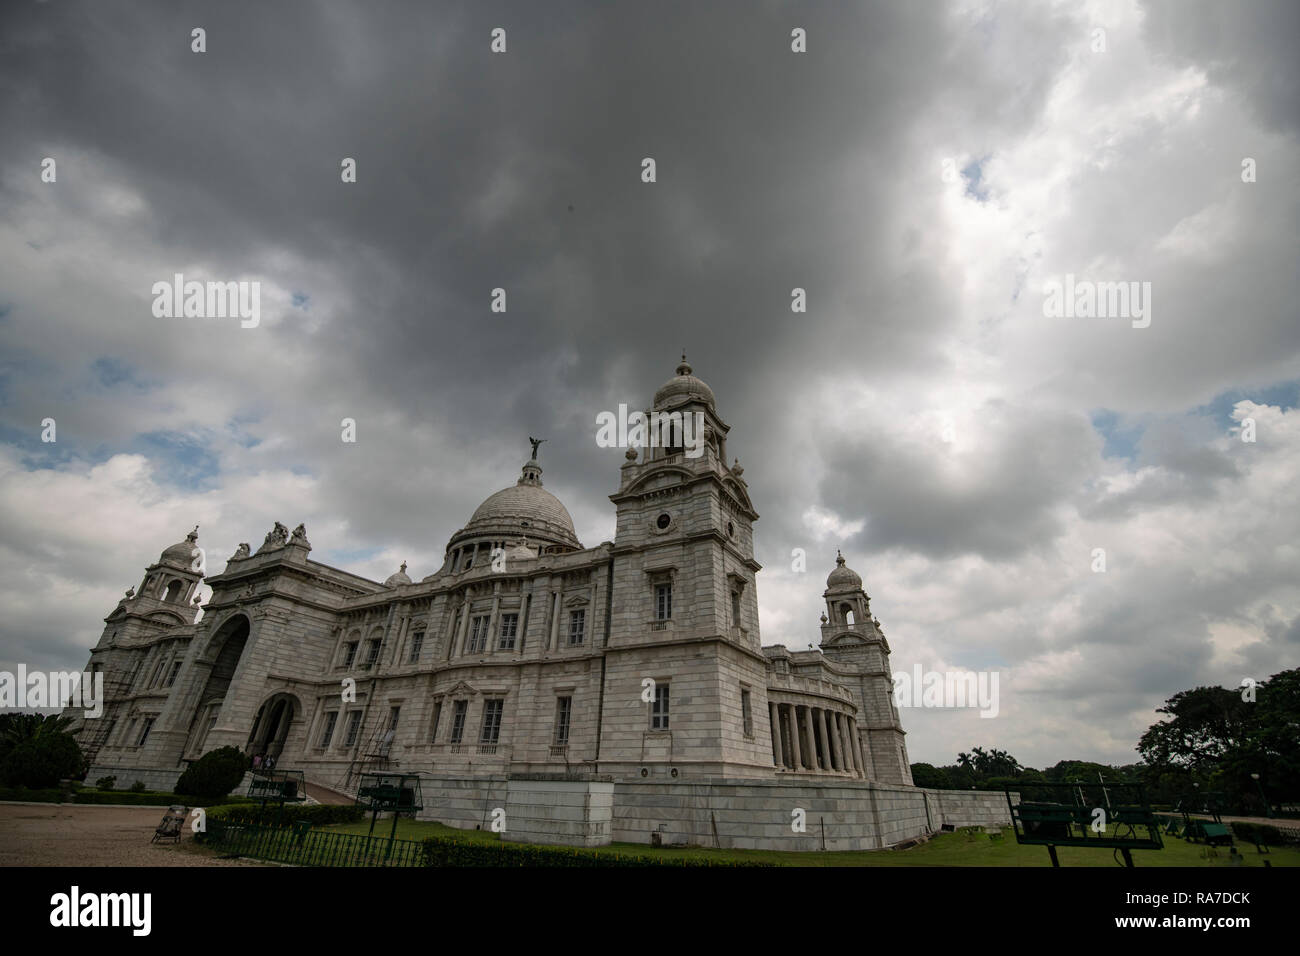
{"x": 1268, "y": 811}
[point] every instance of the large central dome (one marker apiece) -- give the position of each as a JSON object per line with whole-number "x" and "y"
{"x": 525, "y": 509}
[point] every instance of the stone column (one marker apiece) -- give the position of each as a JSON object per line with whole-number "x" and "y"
{"x": 850, "y": 764}
{"x": 810, "y": 740}
{"x": 826, "y": 740}
{"x": 794, "y": 737}
{"x": 464, "y": 627}
{"x": 494, "y": 617}
{"x": 553, "y": 641}
{"x": 778, "y": 755}
{"x": 856, "y": 741}
{"x": 837, "y": 755}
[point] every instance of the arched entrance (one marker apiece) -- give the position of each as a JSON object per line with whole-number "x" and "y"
{"x": 222, "y": 654}
{"x": 272, "y": 724}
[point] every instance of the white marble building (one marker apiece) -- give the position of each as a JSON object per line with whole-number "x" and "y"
{"x": 626, "y": 680}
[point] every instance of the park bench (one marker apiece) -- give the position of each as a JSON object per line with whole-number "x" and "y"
{"x": 1215, "y": 834}
{"x": 173, "y": 822}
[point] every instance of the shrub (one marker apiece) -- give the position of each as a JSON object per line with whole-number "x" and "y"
{"x": 317, "y": 814}
{"x": 43, "y": 761}
{"x": 448, "y": 851}
{"x": 214, "y": 774}
{"x": 137, "y": 787}
{"x": 105, "y": 783}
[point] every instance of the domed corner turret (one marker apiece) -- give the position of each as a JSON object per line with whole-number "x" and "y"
{"x": 682, "y": 387}
{"x": 398, "y": 579}
{"x": 843, "y": 578}
{"x": 181, "y": 555}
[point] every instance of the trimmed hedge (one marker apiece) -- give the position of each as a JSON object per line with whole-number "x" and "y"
{"x": 214, "y": 774}
{"x": 449, "y": 851}
{"x": 317, "y": 814}
{"x": 121, "y": 797}
{"x": 1263, "y": 833}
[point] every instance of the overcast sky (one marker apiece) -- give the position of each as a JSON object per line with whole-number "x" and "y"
{"x": 921, "y": 171}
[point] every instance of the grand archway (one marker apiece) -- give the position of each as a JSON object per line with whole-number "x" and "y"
{"x": 222, "y": 655}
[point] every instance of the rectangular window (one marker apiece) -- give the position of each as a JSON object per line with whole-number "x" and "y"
{"x": 563, "y": 714}
{"x": 746, "y": 713}
{"x": 354, "y": 727}
{"x": 372, "y": 654}
{"x": 577, "y": 626}
{"x": 509, "y": 630}
{"x": 735, "y": 608}
{"x": 144, "y": 733}
{"x": 417, "y": 645}
{"x": 437, "y": 716}
{"x": 327, "y": 734}
{"x": 393, "y": 714}
{"x": 663, "y": 602}
{"x": 176, "y": 669}
{"x": 659, "y": 709}
{"x": 491, "y": 731}
{"x": 349, "y": 653}
{"x": 478, "y": 627}
{"x": 458, "y": 721}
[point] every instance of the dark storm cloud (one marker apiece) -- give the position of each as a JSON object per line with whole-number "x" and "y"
{"x": 522, "y": 171}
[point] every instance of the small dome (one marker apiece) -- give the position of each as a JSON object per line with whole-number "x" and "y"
{"x": 843, "y": 578}
{"x": 685, "y": 385}
{"x": 181, "y": 555}
{"x": 400, "y": 578}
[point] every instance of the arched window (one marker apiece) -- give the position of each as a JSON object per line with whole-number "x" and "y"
{"x": 174, "y": 590}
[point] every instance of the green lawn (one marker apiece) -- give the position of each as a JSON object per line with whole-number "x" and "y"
{"x": 949, "y": 849}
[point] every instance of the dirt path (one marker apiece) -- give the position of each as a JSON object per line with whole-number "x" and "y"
{"x": 66, "y": 835}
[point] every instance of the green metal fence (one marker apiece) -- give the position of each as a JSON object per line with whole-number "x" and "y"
{"x": 302, "y": 846}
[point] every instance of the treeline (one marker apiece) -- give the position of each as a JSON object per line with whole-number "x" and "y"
{"x": 1212, "y": 740}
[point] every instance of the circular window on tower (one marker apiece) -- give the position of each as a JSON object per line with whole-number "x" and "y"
{"x": 663, "y": 521}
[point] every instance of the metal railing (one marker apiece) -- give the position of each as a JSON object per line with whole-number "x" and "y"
{"x": 301, "y": 846}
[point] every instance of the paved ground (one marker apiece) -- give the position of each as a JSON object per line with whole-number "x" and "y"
{"x": 54, "y": 834}
{"x": 325, "y": 795}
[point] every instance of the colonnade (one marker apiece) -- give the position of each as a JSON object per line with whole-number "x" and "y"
{"x": 811, "y": 739}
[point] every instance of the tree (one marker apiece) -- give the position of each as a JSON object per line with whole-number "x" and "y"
{"x": 42, "y": 761}
{"x": 1205, "y": 723}
{"x": 928, "y": 775}
{"x": 20, "y": 728}
{"x": 980, "y": 764}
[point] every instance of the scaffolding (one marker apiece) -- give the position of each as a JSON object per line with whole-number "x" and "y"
{"x": 370, "y": 759}
{"x": 93, "y": 733}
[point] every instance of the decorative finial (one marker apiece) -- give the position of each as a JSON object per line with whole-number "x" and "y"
{"x": 839, "y": 558}
{"x": 824, "y": 618}
{"x": 536, "y": 442}
{"x": 193, "y": 535}
{"x": 403, "y": 567}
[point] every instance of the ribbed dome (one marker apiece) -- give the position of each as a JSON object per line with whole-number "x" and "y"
{"x": 683, "y": 386}
{"x": 181, "y": 555}
{"x": 398, "y": 579}
{"x": 524, "y": 509}
{"x": 842, "y": 578}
